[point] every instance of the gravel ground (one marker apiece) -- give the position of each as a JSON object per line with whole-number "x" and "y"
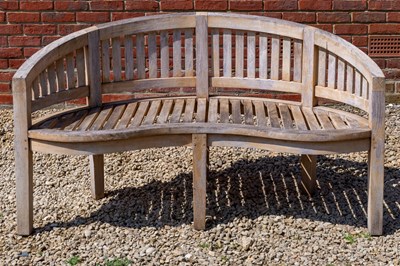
{"x": 256, "y": 214}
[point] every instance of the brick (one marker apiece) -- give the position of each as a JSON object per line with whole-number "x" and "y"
{"x": 124, "y": 15}
{"x": 360, "y": 41}
{"x": 284, "y": 5}
{"x": 6, "y": 76}
{"x": 2, "y": 16}
{"x": 23, "y": 17}
{"x": 8, "y": 52}
{"x": 58, "y": 17}
{"x": 392, "y": 73}
{"x": 106, "y": 5}
{"x": 3, "y": 41}
{"x": 211, "y": 5}
{"x": 24, "y": 41}
{"x": 351, "y": 29}
{"x": 384, "y": 5}
{"x": 315, "y": 5}
{"x": 5, "y": 88}
{"x": 70, "y": 28}
{"x": 349, "y": 5}
{"x": 380, "y": 62}
{"x": 71, "y": 5}
{"x": 146, "y": 5}
{"x": 384, "y": 28}
{"x": 393, "y": 63}
{"x": 9, "y": 5}
{"x": 3, "y": 63}
{"x": 368, "y": 17}
{"x": 49, "y": 39}
{"x": 30, "y": 51}
{"x": 301, "y": 17}
{"x": 346, "y": 38}
{"x": 40, "y": 29}
{"x": 93, "y": 17}
{"x": 245, "y": 5}
{"x": 325, "y": 27}
{"x": 337, "y": 17}
{"x": 15, "y": 63}
{"x": 36, "y": 5}
{"x": 10, "y": 29}
{"x": 6, "y": 99}
{"x": 176, "y": 5}
{"x": 393, "y": 17}
{"x": 273, "y": 14}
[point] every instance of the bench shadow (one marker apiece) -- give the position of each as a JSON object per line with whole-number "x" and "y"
{"x": 251, "y": 188}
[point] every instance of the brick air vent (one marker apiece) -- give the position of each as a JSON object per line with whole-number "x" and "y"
{"x": 384, "y": 46}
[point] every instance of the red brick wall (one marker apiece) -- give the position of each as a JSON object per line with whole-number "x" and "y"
{"x": 25, "y": 26}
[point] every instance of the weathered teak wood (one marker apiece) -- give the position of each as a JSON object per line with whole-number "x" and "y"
{"x": 200, "y": 166}
{"x": 247, "y": 52}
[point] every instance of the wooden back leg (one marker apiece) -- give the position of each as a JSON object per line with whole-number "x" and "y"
{"x": 97, "y": 175}
{"x": 375, "y": 189}
{"x": 24, "y": 183}
{"x": 200, "y": 166}
{"x": 308, "y": 181}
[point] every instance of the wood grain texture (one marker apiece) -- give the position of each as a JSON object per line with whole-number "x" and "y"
{"x": 116, "y": 58}
{"x": 201, "y": 57}
{"x": 96, "y": 165}
{"x": 239, "y": 54}
{"x": 164, "y": 54}
{"x": 200, "y": 168}
{"x": 227, "y": 49}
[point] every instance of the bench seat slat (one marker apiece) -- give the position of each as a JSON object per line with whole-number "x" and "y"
{"x": 189, "y": 110}
{"x": 285, "y": 116}
{"x": 101, "y": 119}
{"x": 224, "y": 110}
{"x": 89, "y": 119}
{"x": 177, "y": 112}
{"x": 153, "y": 111}
{"x": 337, "y": 121}
{"x": 120, "y": 120}
{"x": 213, "y": 111}
{"x": 260, "y": 113}
{"x": 236, "y": 112}
{"x": 127, "y": 115}
{"x": 139, "y": 115}
{"x": 165, "y": 111}
{"x": 273, "y": 115}
{"x": 324, "y": 120}
{"x": 248, "y": 112}
{"x": 78, "y": 119}
{"x": 311, "y": 119}
{"x": 298, "y": 117}
{"x": 114, "y": 117}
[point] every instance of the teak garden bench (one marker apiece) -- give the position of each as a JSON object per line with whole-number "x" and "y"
{"x": 199, "y": 51}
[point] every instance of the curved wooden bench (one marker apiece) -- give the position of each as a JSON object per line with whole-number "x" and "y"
{"x": 199, "y": 51}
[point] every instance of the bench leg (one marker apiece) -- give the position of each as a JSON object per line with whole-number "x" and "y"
{"x": 97, "y": 175}
{"x": 375, "y": 190}
{"x": 308, "y": 182}
{"x": 24, "y": 184}
{"x": 200, "y": 165}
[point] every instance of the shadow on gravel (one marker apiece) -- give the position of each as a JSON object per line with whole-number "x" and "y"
{"x": 252, "y": 188}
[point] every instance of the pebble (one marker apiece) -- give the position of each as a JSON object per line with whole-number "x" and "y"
{"x": 255, "y": 212}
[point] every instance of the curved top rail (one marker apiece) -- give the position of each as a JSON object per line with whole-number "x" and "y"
{"x": 261, "y": 24}
{"x": 53, "y": 51}
{"x": 348, "y": 51}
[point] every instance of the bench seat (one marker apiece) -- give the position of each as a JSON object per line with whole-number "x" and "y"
{"x": 255, "y": 117}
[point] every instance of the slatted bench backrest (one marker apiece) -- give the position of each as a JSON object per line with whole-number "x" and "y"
{"x": 199, "y": 50}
